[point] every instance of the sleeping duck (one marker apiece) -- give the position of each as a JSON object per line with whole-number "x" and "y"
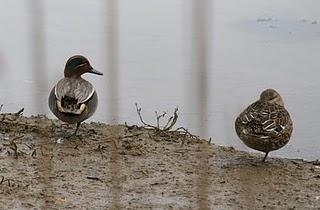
{"x": 265, "y": 125}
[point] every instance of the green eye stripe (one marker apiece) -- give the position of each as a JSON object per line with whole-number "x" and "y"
{"x": 73, "y": 64}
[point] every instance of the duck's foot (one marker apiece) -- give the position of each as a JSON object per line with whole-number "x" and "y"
{"x": 78, "y": 125}
{"x": 265, "y": 157}
{"x": 74, "y": 134}
{"x": 65, "y": 134}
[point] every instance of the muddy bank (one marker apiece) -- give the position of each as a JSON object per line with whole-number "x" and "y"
{"x": 119, "y": 167}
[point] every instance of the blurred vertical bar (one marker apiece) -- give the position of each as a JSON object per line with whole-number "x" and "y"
{"x": 199, "y": 47}
{"x": 38, "y": 53}
{"x": 112, "y": 60}
{"x": 113, "y": 94}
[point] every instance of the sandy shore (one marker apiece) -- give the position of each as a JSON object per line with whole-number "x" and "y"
{"x": 120, "y": 167}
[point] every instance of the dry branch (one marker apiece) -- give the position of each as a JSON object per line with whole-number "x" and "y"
{"x": 169, "y": 124}
{"x": 20, "y": 112}
{"x": 167, "y": 128}
{"x": 16, "y": 114}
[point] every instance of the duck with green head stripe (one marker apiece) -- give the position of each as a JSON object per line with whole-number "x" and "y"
{"x": 74, "y": 99}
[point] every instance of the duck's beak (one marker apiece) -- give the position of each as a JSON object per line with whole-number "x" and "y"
{"x": 93, "y": 71}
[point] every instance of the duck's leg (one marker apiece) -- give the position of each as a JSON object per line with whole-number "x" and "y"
{"x": 78, "y": 125}
{"x": 265, "y": 157}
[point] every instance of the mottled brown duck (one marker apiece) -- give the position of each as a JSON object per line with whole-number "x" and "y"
{"x": 265, "y": 125}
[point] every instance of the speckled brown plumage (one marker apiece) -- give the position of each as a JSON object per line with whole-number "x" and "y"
{"x": 265, "y": 125}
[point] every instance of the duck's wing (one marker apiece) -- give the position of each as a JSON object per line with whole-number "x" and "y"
{"x": 264, "y": 120}
{"x": 72, "y": 93}
{"x": 78, "y": 89}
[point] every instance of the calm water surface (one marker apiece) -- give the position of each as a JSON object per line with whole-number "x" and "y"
{"x": 252, "y": 45}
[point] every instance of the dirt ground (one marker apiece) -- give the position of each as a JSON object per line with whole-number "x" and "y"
{"x": 121, "y": 167}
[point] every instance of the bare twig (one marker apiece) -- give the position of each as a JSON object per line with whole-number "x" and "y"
{"x": 130, "y": 126}
{"x": 1, "y": 107}
{"x": 16, "y": 115}
{"x": 34, "y": 153}
{"x": 168, "y": 126}
{"x": 30, "y": 147}
{"x": 18, "y": 137}
{"x": 169, "y": 121}
{"x": 166, "y": 130}
{"x": 2, "y": 180}
{"x": 185, "y": 131}
{"x": 141, "y": 119}
{"x": 93, "y": 178}
{"x": 20, "y": 112}
{"x": 7, "y": 180}
{"x": 13, "y": 146}
{"x": 173, "y": 120}
{"x": 145, "y": 172}
{"x": 159, "y": 117}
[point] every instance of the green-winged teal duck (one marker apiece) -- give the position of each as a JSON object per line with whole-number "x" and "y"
{"x": 73, "y": 99}
{"x": 265, "y": 125}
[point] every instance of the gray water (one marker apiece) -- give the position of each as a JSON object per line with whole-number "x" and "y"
{"x": 252, "y": 45}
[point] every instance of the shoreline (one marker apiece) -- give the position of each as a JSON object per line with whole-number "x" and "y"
{"x": 130, "y": 167}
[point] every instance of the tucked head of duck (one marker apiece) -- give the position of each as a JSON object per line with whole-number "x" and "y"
{"x": 271, "y": 96}
{"x": 78, "y": 65}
